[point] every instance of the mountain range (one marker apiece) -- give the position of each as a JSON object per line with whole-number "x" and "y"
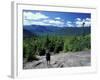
{"x": 30, "y": 30}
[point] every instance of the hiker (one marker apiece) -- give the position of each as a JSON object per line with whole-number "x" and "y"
{"x": 48, "y": 57}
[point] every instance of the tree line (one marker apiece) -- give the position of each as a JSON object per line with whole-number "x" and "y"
{"x": 37, "y": 45}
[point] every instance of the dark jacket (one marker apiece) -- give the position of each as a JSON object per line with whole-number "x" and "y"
{"x": 48, "y": 56}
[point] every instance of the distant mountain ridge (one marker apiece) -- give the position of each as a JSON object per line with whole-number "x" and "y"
{"x": 53, "y": 30}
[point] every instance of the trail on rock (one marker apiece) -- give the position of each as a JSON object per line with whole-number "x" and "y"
{"x": 70, "y": 59}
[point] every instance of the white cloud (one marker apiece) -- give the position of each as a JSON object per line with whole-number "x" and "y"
{"x": 27, "y": 15}
{"x": 69, "y": 24}
{"x": 40, "y": 23}
{"x": 27, "y": 22}
{"x": 79, "y": 22}
{"x": 88, "y": 19}
{"x": 53, "y": 22}
{"x": 41, "y": 19}
{"x": 58, "y": 18}
{"x": 45, "y": 22}
{"x": 31, "y": 18}
{"x": 78, "y": 19}
{"x": 34, "y": 16}
{"x": 87, "y": 22}
{"x": 56, "y": 23}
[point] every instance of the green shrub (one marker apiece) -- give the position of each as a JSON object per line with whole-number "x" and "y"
{"x": 37, "y": 45}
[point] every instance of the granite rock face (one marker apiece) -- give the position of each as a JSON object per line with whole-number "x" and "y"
{"x": 70, "y": 59}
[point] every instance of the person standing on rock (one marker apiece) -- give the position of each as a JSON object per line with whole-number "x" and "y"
{"x": 48, "y": 56}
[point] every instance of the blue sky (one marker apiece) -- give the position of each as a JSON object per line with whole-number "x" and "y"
{"x": 59, "y": 19}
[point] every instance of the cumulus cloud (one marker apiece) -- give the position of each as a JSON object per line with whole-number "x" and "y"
{"x": 27, "y": 22}
{"x": 69, "y": 24}
{"x": 38, "y": 18}
{"x": 79, "y": 22}
{"x": 58, "y": 18}
{"x": 57, "y": 23}
{"x": 54, "y": 22}
{"x": 34, "y": 16}
{"x": 78, "y": 19}
{"x": 41, "y": 19}
{"x": 88, "y": 19}
{"x": 87, "y": 22}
